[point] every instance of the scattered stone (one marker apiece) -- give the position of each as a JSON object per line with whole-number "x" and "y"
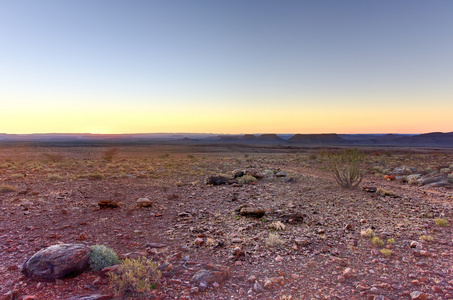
{"x": 292, "y": 218}
{"x": 416, "y": 295}
{"x": 144, "y": 202}
{"x": 389, "y": 177}
{"x": 57, "y": 261}
{"x": 257, "y": 287}
{"x": 210, "y": 274}
{"x": 281, "y": 174}
{"x": 237, "y": 240}
{"x": 199, "y": 241}
{"x": 251, "y": 278}
{"x": 369, "y": 189}
{"x": 415, "y": 244}
{"x": 103, "y": 204}
{"x": 270, "y": 283}
{"x": 92, "y": 297}
{"x": 348, "y": 273}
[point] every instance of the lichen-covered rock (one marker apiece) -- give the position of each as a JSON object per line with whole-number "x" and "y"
{"x": 57, "y": 261}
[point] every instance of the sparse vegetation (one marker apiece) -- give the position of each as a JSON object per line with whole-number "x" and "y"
{"x": 7, "y": 188}
{"x": 427, "y": 238}
{"x": 377, "y": 241}
{"x": 368, "y": 233}
{"x": 109, "y": 154}
{"x": 102, "y": 257}
{"x": 135, "y": 277}
{"x": 441, "y": 222}
{"x": 346, "y": 167}
{"x": 274, "y": 240}
{"x": 277, "y": 226}
{"x": 391, "y": 241}
{"x": 247, "y": 179}
{"x": 386, "y": 252}
{"x": 53, "y": 157}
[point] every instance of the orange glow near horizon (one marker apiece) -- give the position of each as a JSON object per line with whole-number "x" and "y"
{"x": 123, "y": 119}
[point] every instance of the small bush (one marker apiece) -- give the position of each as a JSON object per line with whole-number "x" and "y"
{"x": 377, "y": 241}
{"x": 277, "y": 226}
{"x": 109, "y": 154}
{"x": 52, "y": 157}
{"x": 17, "y": 176}
{"x": 386, "y": 252}
{"x": 427, "y": 238}
{"x": 346, "y": 167}
{"x": 246, "y": 179}
{"x": 368, "y": 233}
{"x": 7, "y": 188}
{"x": 391, "y": 241}
{"x": 102, "y": 257}
{"x": 274, "y": 240}
{"x": 135, "y": 276}
{"x": 54, "y": 177}
{"x": 95, "y": 176}
{"x": 441, "y": 222}
{"x": 413, "y": 179}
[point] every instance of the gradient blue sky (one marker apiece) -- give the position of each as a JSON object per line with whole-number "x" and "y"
{"x": 226, "y": 66}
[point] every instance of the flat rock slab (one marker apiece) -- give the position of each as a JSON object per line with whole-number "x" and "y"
{"x": 57, "y": 261}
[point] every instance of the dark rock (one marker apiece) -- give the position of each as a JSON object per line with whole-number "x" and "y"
{"x": 217, "y": 180}
{"x": 57, "y": 261}
{"x": 238, "y": 173}
{"x": 103, "y": 204}
{"x": 210, "y": 274}
{"x": 249, "y": 211}
{"x": 296, "y": 217}
{"x": 369, "y": 189}
{"x": 144, "y": 202}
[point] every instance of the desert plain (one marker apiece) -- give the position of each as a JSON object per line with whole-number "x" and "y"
{"x": 314, "y": 241}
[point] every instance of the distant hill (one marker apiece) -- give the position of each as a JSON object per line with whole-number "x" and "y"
{"x": 318, "y": 139}
{"x": 433, "y": 139}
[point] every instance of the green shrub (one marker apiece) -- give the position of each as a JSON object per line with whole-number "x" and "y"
{"x": 102, "y": 257}
{"x": 135, "y": 276}
{"x": 346, "y": 167}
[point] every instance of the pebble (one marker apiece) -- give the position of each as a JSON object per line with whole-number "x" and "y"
{"x": 348, "y": 273}
{"x": 416, "y": 295}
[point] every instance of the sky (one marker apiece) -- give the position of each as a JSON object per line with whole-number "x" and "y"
{"x": 236, "y": 66}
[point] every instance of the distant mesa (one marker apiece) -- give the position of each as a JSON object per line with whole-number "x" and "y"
{"x": 269, "y": 138}
{"x": 248, "y": 137}
{"x": 318, "y": 139}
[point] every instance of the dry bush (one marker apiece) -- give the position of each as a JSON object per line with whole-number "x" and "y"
{"x": 110, "y": 154}
{"x": 53, "y": 157}
{"x": 135, "y": 276}
{"x": 346, "y": 167}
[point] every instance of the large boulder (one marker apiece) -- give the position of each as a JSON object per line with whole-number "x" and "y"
{"x": 57, "y": 261}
